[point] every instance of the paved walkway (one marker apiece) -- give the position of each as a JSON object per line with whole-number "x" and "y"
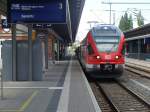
{"x": 138, "y": 66}
{"x": 64, "y": 89}
{"x": 138, "y": 62}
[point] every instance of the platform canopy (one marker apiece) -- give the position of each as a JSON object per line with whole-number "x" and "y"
{"x": 142, "y": 30}
{"x": 68, "y": 31}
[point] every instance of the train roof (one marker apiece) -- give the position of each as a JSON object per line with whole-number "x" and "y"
{"x": 106, "y": 29}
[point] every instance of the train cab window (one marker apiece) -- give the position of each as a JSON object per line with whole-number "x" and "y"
{"x": 123, "y": 49}
{"x": 107, "y": 43}
{"x": 90, "y": 50}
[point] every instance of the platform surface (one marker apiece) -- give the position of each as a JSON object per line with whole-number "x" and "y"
{"x": 143, "y": 63}
{"x": 64, "y": 89}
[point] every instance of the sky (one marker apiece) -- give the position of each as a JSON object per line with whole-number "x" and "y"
{"x": 94, "y": 10}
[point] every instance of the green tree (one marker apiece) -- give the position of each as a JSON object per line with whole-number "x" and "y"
{"x": 140, "y": 19}
{"x": 126, "y": 23}
{"x": 122, "y": 24}
{"x": 130, "y": 22}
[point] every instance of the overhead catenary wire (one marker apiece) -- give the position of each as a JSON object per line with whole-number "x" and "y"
{"x": 125, "y": 3}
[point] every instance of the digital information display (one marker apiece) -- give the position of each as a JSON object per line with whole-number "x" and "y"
{"x": 37, "y": 11}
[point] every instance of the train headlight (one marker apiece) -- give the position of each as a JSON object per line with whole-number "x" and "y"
{"x": 98, "y": 57}
{"x": 116, "y": 57}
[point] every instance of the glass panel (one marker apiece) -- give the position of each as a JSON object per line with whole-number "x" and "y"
{"x": 99, "y": 32}
{"x": 90, "y": 50}
{"x": 107, "y": 39}
{"x": 107, "y": 43}
{"x": 107, "y": 47}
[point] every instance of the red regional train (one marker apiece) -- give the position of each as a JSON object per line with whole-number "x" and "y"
{"x": 102, "y": 51}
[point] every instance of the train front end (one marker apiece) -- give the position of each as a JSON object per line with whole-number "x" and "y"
{"x": 106, "y": 49}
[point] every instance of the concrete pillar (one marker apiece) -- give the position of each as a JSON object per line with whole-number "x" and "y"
{"x": 58, "y": 47}
{"x": 43, "y": 55}
{"x": 46, "y": 52}
{"x": 14, "y": 53}
{"x": 53, "y": 51}
{"x": 30, "y": 51}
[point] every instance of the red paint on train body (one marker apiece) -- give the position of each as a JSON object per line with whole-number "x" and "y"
{"x": 103, "y": 50}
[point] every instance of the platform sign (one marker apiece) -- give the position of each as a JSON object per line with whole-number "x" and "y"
{"x": 47, "y": 26}
{"x": 41, "y": 26}
{"x": 37, "y": 11}
{"x": 37, "y": 26}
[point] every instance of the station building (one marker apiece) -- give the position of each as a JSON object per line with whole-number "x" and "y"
{"x": 26, "y": 51}
{"x": 138, "y": 42}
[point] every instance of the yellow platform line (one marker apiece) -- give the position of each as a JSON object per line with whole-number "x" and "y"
{"x": 24, "y": 105}
{"x": 28, "y": 101}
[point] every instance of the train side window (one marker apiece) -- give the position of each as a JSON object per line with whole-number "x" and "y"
{"x": 90, "y": 49}
{"x": 124, "y": 49}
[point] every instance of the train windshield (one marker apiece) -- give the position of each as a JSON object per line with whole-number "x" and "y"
{"x": 107, "y": 43}
{"x": 107, "y": 37}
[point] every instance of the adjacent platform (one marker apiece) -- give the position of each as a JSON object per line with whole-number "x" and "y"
{"x": 139, "y": 64}
{"x": 64, "y": 89}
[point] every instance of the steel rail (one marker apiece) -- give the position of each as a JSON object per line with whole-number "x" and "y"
{"x": 109, "y": 99}
{"x": 113, "y": 102}
{"x": 101, "y": 98}
{"x": 139, "y": 97}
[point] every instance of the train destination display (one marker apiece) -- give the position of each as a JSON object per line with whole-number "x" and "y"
{"x": 33, "y": 11}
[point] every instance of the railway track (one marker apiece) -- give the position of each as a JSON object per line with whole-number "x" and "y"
{"x": 101, "y": 99}
{"x": 115, "y": 97}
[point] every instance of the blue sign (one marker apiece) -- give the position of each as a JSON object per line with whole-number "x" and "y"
{"x": 37, "y": 11}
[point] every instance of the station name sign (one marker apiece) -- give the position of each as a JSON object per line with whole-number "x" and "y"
{"x": 37, "y": 11}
